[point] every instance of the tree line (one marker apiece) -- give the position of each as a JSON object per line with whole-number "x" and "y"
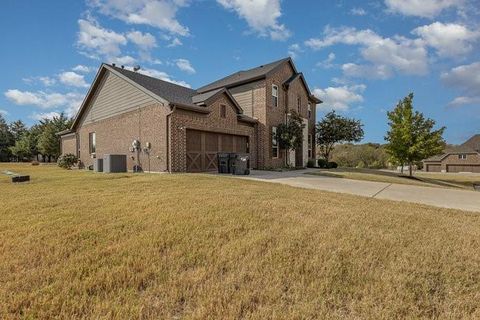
{"x": 20, "y": 143}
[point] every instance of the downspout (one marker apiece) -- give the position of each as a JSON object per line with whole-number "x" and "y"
{"x": 286, "y": 119}
{"x": 169, "y": 147}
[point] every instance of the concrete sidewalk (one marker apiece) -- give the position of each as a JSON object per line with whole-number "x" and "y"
{"x": 439, "y": 197}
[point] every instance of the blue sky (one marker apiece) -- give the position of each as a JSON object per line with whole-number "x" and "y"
{"x": 360, "y": 57}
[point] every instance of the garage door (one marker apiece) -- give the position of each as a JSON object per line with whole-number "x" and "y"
{"x": 463, "y": 168}
{"x": 203, "y": 146}
{"x": 434, "y": 168}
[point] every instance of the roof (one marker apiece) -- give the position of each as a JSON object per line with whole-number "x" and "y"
{"x": 243, "y": 76}
{"x": 472, "y": 145}
{"x": 173, "y": 93}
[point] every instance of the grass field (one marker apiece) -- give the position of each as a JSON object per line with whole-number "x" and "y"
{"x": 79, "y": 245}
{"x": 450, "y": 180}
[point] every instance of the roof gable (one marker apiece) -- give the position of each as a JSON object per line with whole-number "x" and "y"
{"x": 473, "y": 143}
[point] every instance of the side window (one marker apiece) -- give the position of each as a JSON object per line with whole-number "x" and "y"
{"x": 274, "y": 95}
{"x": 462, "y": 156}
{"x": 223, "y": 111}
{"x": 274, "y": 143}
{"x": 92, "y": 145}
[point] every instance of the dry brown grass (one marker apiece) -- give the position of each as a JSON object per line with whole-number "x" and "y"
{"x": 94, "y": 246}
{"x": 444, "y": 180}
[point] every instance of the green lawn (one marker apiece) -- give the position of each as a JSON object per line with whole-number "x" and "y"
{"x": 80, "y": 245}
{"x": 445, "y": 180}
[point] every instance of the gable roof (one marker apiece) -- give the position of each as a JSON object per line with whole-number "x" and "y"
{"x": 287, "y": 83}
{"x": 244, "y": 76}
{"x": 472, "y": 145}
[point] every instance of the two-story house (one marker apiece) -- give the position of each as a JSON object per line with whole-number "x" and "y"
{"x": 162, "y": 126}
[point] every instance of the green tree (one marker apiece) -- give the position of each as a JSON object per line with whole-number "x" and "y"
{"x": 22, "y": 149}
{"x": 48, "y": 143}
{"x": 18, "y": 129}
{"x": 334, "y": 129}
{"x": 6, "y": 140}
{"x": 290, "y": 134}
{"x": 411, "y": 137}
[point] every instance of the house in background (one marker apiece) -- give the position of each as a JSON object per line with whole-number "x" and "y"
{"x": 463, "y": 158}
{"x": 178, "y": 129}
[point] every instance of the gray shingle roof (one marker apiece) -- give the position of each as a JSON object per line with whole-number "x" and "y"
{"x": 205, "y": 96}
{"x": 242, "y": 76}
{"x": 171, "y": 92}
{"x": 473, "y": 143}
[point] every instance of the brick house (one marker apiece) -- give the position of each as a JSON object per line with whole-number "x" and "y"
{"x": 181, "y": 129}
{"x": 463, "y": 158}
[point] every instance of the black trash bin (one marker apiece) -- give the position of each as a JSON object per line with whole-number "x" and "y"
{"x": 223, "y": 162}
{"x": 240, "y": 164}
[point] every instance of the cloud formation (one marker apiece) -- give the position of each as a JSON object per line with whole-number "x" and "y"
{"x": 339, "y": 98}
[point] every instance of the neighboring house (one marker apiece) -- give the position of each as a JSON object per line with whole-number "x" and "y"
{"x": 464, "y": 158}
{"x": 178, "y": 129}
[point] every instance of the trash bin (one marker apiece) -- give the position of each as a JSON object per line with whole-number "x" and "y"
{"x": 240, "y": 164}
{"x": 98, "y": 165}
{"x": 223, "y": 162}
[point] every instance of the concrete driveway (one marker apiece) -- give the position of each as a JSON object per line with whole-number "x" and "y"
{"x": 439, "y": 197}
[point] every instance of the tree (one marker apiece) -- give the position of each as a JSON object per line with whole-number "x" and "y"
{"x": 6, "y": 140}
{"x": 48, "y": 142}
{"x": 411, "y": 137}
{"x": 22, "y": 148}
{"x": 18, "y": 129}
{"x": 290, "y": 134}
{"x": 334, "y": 129}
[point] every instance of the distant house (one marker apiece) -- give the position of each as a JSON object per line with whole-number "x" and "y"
{"x": 163, "y": 126}
{"x": 464, "y": 158}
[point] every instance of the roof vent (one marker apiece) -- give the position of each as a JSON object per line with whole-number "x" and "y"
{"x": 136, "y": 68}
{"x": 113, "y": 64}
{"x": 123, "y": 67}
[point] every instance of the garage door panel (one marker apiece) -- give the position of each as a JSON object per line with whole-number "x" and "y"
{"x": 203, "y": 146}
{"x": 434, "y": 168}
{"x": 463, "y": 168}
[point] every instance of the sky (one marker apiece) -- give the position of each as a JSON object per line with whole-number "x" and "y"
{"x": 359, "y": 57}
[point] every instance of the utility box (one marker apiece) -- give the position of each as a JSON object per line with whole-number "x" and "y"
{"x": 240, "y": 163}
{"x": 98, "y": 165}
{"x": 114, "y": 163}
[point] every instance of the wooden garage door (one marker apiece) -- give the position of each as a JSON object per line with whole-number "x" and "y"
{"x": 434, "y": 168}
{"x": 463, "y": 168}
{"x": 203, "y": 146}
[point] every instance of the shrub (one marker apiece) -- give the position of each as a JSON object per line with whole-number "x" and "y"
{"x": 67, "y": 161}
{"x": 35, "y": 163}
{"x": 332, "y": 165}
{"x": 322, "y": 163}
{"x": 311, "y": 163}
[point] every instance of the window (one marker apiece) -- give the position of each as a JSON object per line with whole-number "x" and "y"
{"x": 274, "y": 143}
{"x": 310, "y": 144}
{"x": 223, "y": 111}
{"x": 91, "y": 143}
{"x": 299, "y": 103}
{"x": 274, "y": 95}
{"x": 462, "y": 156}
{"x": 309, "y": 111}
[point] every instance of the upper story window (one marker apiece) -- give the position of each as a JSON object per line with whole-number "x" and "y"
{"x": 223, "y": 111}
{"x": 274, "y": 95}
{"x": 309, "y": 111}
{"x": 92, "y": 144}
{"x": 274, "y": 143}
{"x": 462, "y": 156}
{"x": 299, "y": 103}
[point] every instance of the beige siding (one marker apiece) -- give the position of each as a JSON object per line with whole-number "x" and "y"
{"x": 245, "y": 95}
{"x": 114, "y": 96}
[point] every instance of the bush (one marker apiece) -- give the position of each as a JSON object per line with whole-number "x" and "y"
{"x": 322, "y": 163}
{"x": 67, "y": 161}
{"x": 35, "y": 163}
{"x": 332, "y": 165}
{"x": 310, "y": 163}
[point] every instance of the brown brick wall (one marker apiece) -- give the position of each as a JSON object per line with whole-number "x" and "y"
{"x": 115, "y": 135}
{"x": 452, "y": 159}
{"x": 68, "y": 144}
{"x": 181, "y": 120}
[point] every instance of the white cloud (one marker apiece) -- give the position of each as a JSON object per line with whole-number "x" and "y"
{"x": 185, "y": 65}
{"x": 466, "y": 78}
{"x": 97, "y": 40}
{"x": 328, "y": 62}
{"x": 156, "y": 13}
{"x": 422, "y": 8}
{"x": 144, "y": 41}
{"x": 70, "y": 101}
{"x": 358, "y": 12}
{"x": 408, "y": 56}
{"x": 448, "y": 39}
{"x": 162, "y": 76}
{"x": 73, "y": 79}
{"x": 44, "y": 115}
{"x": 124, "y": 60}
{"x": 366, "y": 71}
{"x": 82, "y": 69}
{"x": 175, "y": 43}
{"x": 261, "y": 16}
{"x": 46, "y": 81}
{"x": 463, "y": 100}
{"x": 294, "y": 50}
{"x": 339, "y": 98}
